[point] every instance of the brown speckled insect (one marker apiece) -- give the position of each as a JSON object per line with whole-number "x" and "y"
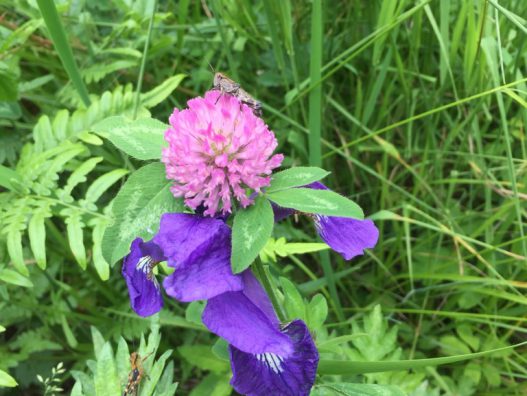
{"x": 225, "y": 85}
{"x": 136, "y": 374}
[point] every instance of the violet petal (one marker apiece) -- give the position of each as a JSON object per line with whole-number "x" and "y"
{"x": 200, "y": 250}
{"x": 234, "y": 317}
{"x": 254, "y": 291}
{"x": 145, "y": 294}
{"x": 269, "y": 374}
{"x": 347, "y": 236}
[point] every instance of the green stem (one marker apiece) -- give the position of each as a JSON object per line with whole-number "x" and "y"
{"x": 143, "y": 61}
{"x": 264, "y": 277}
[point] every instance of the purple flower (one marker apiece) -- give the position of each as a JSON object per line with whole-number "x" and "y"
{"x": 270, "y": 374}
{"x": 145, "y": 294}
{"x": 348, "y": 237}
{"x": 266, "y": 359}
{"x": 198, "y": 248}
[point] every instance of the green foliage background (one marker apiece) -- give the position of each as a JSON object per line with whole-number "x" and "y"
{"x": 418, "y": 110}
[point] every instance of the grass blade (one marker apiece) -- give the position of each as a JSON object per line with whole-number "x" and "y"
{"x": 58, "y": 36}
{"x": 315, "y": 94}
{"x": 143, "y": 60}
{"x": 337, "y": 367}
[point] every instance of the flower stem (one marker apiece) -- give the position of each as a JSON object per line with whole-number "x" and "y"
{"x": 263, "y": 274}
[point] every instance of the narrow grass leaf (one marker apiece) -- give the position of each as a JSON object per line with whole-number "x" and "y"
{"x": 343, "y": 367}
{"x": 315, "y": 95}
{"x": 347, "y": 389}
{"x": 60, "y": 41}
{"x": 143, "y": 61}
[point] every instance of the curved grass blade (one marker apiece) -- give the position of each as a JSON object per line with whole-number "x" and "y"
{"x": 338, "y": 367}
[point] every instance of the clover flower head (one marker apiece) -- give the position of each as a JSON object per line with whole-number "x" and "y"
{"x": 218, "y": 149}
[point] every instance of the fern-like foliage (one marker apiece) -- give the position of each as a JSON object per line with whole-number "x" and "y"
{"x": 60, "y": 184}
{"x": 109, "y": 373}
{"x": 378, "y": 342}
{"x": 52, "y": 187}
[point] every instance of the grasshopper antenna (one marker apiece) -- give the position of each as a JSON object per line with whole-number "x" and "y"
{"x": 147, "y": 356}
{"x": 212, "y": 68}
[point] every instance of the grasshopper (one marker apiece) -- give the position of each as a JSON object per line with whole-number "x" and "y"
{"x": 225, "y": 85}
{"x": 136, "y": 374}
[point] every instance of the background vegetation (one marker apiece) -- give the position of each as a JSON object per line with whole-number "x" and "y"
{"x": 417, "y": 108}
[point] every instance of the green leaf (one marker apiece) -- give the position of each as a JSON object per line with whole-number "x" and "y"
{"x": 284, "y": 249}
{"x": 154, "y": 374}
{"x": 142, "y": 139}
{"x": 381, "y": 342}
{"x": 74, "y": 228}
{"x": 165, "y": 386}
{"x": 201, "y": 356}
{"x": 103, "y": 183}
{"x": 70, "y": 337}
{"x": 77, "y": 390}
{"x": 194, "y": 311}
{"x": 8, "y": 84}
{"x": 90, "y": 138}
{"x": 13, "y": 277}
{"x": 86, "y": 382}
{"x": 332, "y": 344}
{"x": 344, "y": 367}
{"x": 296, "y": 177}
{"x": 344, "y": 389}
{"x": 162, "y": 91}
{"x": 213, "y": 385}
{"x": 98, "y": 341}
{"x": 14, "y": 248}
{"x": 28, "y": 86}
{"x": 6, "y": 380}
{"x": 7, "y": 176}
{"x": 465, "y": 332}
{"x": 251, "y": 229}
{"x": 451, "y": 345}
{"x": 137, "y": 210}
{"x": 323, "y": 202}
{"x": 220, "y": 349}
{"x": 101, "y": 265}
{"x": 317, "y": 312}
{"x": 122, "y": 360}
{"x": 293, "y": 301}
{"x": 79, "y": 174}
{"x": 10, "y": 110}
{"x": 37, "y": 236}
{"x": 106, "y": 378}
